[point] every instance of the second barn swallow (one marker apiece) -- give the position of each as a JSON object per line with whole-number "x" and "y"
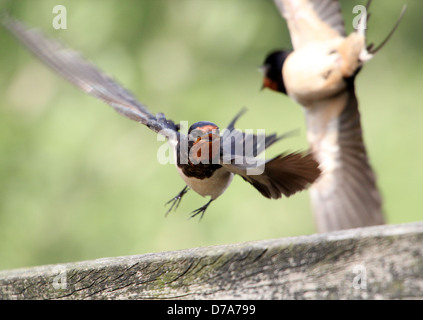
{"x": 206, "y": 158}
{"x": 319, "y": 74}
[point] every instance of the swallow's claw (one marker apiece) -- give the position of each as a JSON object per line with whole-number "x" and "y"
{"x": 201, "y": 210}
{"x": 176, "y": 200}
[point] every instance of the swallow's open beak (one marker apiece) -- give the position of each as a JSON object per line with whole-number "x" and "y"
{"x": 263, "y": 69}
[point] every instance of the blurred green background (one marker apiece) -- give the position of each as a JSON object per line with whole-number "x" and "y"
{"x": 79, "y": 181}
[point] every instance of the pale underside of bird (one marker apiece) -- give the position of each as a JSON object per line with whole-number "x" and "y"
{"x": 319, "y": 74}
{"x": 283, "y": 175}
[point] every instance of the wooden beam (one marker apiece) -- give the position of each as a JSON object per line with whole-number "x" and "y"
{"x": 383, "y": 262}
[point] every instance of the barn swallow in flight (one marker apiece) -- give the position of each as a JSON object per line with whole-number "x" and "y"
{"x": 206, "y": 159}
{"x": 319, "y": 74}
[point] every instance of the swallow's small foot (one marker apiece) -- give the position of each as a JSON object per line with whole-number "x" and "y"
{"x": 176, "y": 200}
{"x": 201, "y": 210}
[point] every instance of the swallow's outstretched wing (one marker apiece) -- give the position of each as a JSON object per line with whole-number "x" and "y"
{"x": 87, "y": 77}
{"x": 346, "y": 195}
{"x": 312, "y": 20}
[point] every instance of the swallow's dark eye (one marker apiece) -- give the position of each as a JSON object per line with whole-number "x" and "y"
{"x": 332, "y": 52}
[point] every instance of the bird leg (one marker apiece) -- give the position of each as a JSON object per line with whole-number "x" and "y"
{"x": 201, "y": 210}
{"x": 176, "y": 200}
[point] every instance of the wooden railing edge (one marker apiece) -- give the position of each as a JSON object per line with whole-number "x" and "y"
{"x": 381, "y": 262}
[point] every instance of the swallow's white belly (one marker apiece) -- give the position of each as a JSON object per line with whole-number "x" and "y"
{"x": 313, "y": 72}
{"x": 213, "y": 186}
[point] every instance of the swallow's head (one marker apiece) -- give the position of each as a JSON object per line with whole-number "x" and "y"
{"x": 272, "y": 70}
{"x": 203, "y": 128}
{"x": 205, "y": 142}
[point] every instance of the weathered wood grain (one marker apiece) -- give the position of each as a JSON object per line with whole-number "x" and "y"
{"x": 384, "y": 262}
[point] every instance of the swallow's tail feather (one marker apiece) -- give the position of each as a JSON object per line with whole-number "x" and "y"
{"x": 370, "y": 48}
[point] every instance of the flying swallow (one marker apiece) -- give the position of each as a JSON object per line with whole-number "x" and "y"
{"x": 206, "y": 158}
{"x": 319, "y": 74}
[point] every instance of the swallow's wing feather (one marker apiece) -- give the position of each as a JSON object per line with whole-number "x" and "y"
{"x": 312, "y": 20}
{"x": 236, "y": 143}
{"x": 347, "y": 196}
{"x": 282, "y": 175}
{"x": 87, "y": 77}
